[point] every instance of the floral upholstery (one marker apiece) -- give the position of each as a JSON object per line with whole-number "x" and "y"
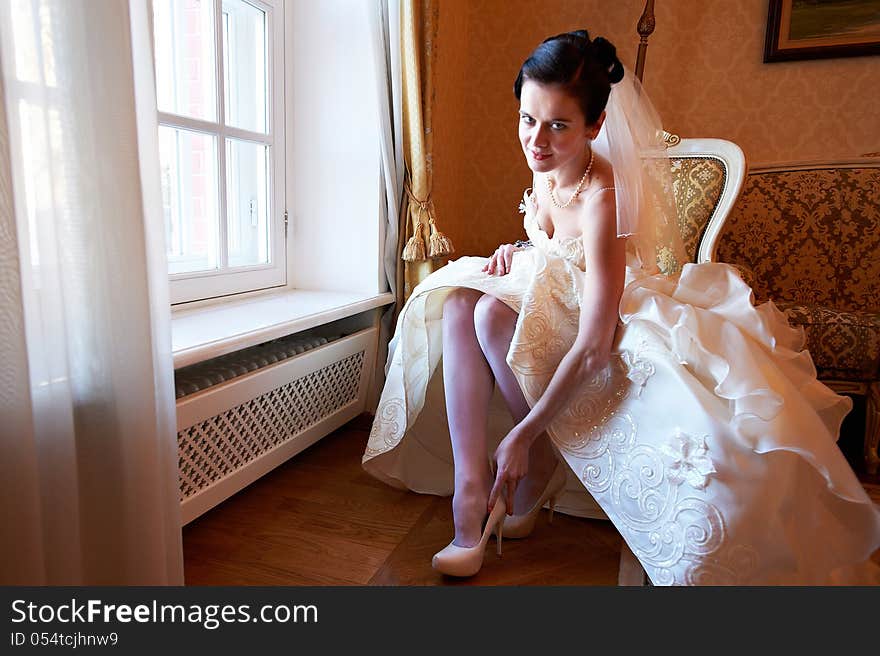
{"x": 810, "y": 241}
{"x": 809, "y": 236}
{"x": 697, "y": 183}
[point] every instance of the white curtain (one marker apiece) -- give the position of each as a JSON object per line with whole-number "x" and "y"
{"x": 88, "y": 456}
{"x": 385, "y": 32}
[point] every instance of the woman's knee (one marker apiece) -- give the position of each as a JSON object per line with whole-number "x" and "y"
{"x": 492, "y": 317}
{"x": 460, "y": 304}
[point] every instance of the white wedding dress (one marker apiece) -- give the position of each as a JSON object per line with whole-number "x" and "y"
{"x": 708, "y": 440}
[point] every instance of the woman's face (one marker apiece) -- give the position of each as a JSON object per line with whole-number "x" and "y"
{"x": 552, "y": 129}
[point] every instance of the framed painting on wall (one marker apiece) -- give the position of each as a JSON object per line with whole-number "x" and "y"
{"x": 816, "y": 29}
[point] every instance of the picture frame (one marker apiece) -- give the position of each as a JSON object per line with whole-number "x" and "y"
{"x": 818, "y": 29}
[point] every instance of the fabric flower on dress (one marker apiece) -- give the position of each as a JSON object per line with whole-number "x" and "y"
{"x": 638, "y": 369}
{"x": 690, "y": 462}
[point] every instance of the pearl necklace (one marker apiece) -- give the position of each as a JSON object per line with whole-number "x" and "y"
{"x": 577, "y": 191}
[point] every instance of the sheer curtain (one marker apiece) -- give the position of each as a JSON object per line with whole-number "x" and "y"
{"x": 88, "y": 456}
{"x": 384, "y": 18}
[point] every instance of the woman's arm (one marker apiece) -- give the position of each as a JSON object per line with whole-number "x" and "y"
{"x": 605, "y": 256}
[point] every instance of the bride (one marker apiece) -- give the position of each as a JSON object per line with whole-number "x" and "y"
{"x": 693, "y": 418}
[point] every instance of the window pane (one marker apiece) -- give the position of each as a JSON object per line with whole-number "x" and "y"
{"x": 244, "y": 65}
{"x": 188, "y": 163}
{"x": 185, "y": 67}
{"x": 247, "y": 201}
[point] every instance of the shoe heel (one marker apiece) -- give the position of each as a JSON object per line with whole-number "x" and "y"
{"x": 499, "y": 530}
{"x": 467, "y": 561}
{"x": 552, "y": 507}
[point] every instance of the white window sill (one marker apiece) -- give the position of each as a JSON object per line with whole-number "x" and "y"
{"x": 202, "y": 333}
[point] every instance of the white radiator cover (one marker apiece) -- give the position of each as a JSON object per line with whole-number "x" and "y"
{"x": 233, "y": 432}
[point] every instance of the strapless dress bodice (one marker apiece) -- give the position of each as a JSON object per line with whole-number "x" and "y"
{"x": 570, "y": 248}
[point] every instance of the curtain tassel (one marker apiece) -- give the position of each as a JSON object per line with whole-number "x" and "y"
{"x": 439, "y": 244}
{"x": 414, "y": 251}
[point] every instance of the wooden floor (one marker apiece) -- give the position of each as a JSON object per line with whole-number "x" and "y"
{"x": 320, "y": 519}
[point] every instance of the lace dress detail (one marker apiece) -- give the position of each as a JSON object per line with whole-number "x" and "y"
{"x": 673, "y": 440}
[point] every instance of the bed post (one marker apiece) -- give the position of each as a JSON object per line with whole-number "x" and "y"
{"x": 631, "y": 571}
{"x": 645, "y": 29}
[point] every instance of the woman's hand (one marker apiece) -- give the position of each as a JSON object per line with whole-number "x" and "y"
{"x": 511, "y": 466}
{"x": 499, "y": 263}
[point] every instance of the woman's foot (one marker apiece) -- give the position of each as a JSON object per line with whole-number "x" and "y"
{"x": 473, "y": 528}
{"x": 520, "y": 525}
{"x": 454, "y": 560}
{"x": 542, "y": 464}
{"x": 469, "y": 511}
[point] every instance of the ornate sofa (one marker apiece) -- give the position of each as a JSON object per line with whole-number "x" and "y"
{"x": 808, "y": 238}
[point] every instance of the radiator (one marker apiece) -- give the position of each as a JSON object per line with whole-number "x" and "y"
{"x": 243, "y": 414}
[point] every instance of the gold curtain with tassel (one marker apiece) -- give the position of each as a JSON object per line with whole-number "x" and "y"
{"x": 426, "y": 248}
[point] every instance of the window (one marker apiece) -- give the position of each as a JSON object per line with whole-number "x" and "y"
{"x": 219, "y": 89}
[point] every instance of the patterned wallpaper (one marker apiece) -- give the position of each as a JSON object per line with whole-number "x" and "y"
{"x": 704, "y": 72}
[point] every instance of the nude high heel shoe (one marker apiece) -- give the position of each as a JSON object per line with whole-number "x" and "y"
{"x": 453, "y": 560}
{"x": 520, "y": 526}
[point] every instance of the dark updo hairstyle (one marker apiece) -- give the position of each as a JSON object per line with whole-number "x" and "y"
{"x": 586, "y": 69}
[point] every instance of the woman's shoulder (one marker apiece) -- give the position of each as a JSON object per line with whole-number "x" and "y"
{"x": 601, "y": 186}
{"x": 602, "y": 174}
{"x": 599, "y": 209}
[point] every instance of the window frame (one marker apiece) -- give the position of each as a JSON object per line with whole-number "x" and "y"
{"x": 226, "y": 281}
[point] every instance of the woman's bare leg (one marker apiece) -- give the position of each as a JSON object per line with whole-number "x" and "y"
{"x": 495, "y": 323}
{"x": 468, "y": 384}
